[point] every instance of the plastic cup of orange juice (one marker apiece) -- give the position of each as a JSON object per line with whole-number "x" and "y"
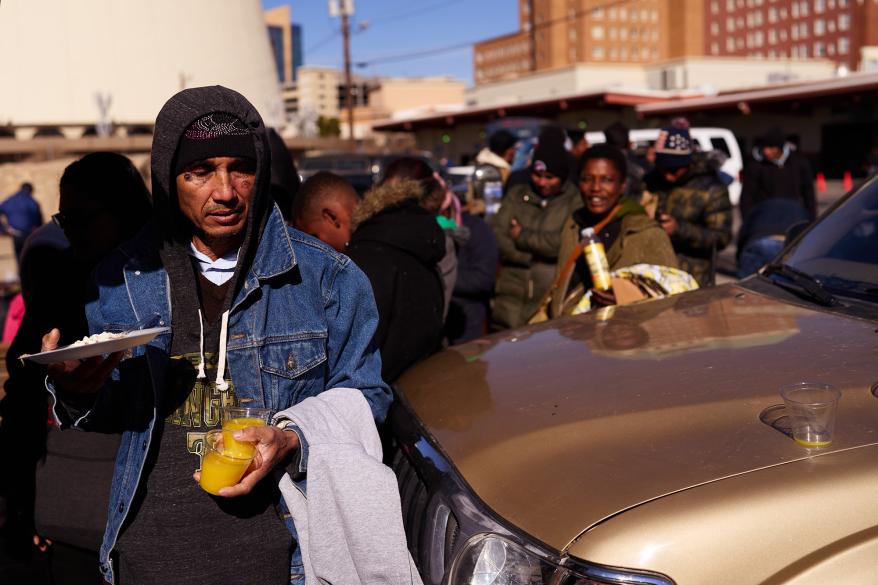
{"x": 221, "y": 467}
{"x": 239, "y": 417}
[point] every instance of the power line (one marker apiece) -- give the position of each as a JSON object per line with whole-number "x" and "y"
{"x": 323, "y": 41}
{"x": 416, "y": 12}
{"x": 573, "y": 15}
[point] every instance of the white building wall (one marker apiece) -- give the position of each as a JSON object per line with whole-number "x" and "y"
{"x": 722, "y": 74}
{"x": 556, "y": 83}
{"x": 56, "y": 55}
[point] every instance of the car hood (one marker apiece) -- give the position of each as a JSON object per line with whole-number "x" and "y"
{"x": 562, "y": 425}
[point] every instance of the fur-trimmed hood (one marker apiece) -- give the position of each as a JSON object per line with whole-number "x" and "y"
{"x": 386, "y": 196}
{"x": 391, "y": 215}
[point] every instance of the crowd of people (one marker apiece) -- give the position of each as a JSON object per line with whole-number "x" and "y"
{"x": 276, "y": 293}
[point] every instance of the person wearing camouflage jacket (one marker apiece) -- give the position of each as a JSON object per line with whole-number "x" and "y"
{"x": 528, "y": 227}
{"x": 694, "y": 207}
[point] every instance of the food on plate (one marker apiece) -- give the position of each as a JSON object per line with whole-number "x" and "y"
{"x": 97, "y": 338}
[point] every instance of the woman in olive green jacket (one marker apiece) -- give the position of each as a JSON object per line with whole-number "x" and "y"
{"x": 629, "y": 235}
{"x": 528, "y": 229}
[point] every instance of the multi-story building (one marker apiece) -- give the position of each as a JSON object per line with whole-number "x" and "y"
{"x": 286, "y": 43}
{"x": 561, "y": 33}
{"x": 317, "y": 91}
{"x": 831, "y": 29}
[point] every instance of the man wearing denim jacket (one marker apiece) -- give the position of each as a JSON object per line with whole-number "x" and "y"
{"x": 259, "y": 315}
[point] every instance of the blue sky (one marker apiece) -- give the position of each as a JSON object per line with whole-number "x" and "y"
{"x": 399, "y": 28}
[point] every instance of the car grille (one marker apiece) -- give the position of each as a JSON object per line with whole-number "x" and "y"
{"x": 430, "y": 533}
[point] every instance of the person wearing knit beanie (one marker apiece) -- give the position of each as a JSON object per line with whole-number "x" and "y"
{"x": 549, "y": 169}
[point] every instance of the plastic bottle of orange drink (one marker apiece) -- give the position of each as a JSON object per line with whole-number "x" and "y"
{"x": 596, "y": 257}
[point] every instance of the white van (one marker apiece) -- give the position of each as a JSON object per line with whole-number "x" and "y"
{"x": 708, "y": 139}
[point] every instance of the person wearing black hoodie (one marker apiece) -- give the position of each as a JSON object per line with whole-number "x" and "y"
{"x": 398, "y": 244}
{"x": 258, "y": 314}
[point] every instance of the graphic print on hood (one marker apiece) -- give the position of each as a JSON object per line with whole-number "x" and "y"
{"x": 391, "y": 214}
{"x": 175, "y": 230}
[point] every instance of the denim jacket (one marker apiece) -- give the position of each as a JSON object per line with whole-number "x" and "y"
{"x": 302, "y": 323}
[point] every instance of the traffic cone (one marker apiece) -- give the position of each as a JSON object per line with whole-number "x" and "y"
{"x": 848, "y": 181}
{"x": 821, "y": 183}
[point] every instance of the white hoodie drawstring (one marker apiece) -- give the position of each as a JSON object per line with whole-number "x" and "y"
{"x": 221, "y": 383}
{"x": 201, "y": 373}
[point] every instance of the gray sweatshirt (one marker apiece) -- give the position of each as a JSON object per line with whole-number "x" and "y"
{"x": 350, "y": 522}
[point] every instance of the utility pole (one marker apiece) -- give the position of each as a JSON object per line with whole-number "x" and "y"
{"x": 345, "y": 9}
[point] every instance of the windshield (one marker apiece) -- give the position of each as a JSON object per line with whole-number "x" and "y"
{"x": 842, "y": 250}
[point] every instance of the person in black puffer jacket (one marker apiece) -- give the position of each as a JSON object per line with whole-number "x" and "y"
{"x": 398, "y": 244}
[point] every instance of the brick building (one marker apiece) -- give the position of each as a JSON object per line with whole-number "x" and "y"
{"x": 832, "y": 29}
{"x": 559, "y": 33}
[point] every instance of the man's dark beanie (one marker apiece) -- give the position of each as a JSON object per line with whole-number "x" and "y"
{"x": 616, "y": 134}
{"x": 501, "y": 141}
{"x": 774, "y": 137}
{"x": 551, "y": 135}
{"x": 551, "y": 158}
{"x": 215, "y": 134}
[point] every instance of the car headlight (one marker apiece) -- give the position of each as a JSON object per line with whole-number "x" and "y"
{"x": 490, "y": 559}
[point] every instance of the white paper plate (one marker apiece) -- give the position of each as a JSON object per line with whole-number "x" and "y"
{"x": 81, "y": 352}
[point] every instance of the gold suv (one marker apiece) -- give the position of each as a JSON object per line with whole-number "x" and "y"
{"x": 648, "y": 444}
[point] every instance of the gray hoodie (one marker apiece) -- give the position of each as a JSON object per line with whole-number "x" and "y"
{"x": 349, "y": 523}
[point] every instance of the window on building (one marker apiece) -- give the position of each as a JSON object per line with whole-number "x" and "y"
{"x": 730, "y": 44}
{"x": 783, "y": 13}
{"x": 830, "y": 26}
{"x": 794, "y": 32}
{"x": 572, "y": 34}
{"x": 740, "y": 42}
{"x": 714, "y": 48}
{"x": 783, "y": 35}
{"x": 803, "y": 30}
{"x": 614, "y": 33}
{"x": 819, "y": 49}
{"x": 597, "y": 13}
{"x": 614, "y": 54}
{"x": 819, "y": 26}
{"x": 623, "y": 53}
{"x": 803, "y": 9}
{"x": 795, "y": 9}
{"x": 597, "y": 53}
{"x": 844, "y": 46}
{"x": 623, "y": 34}
{"x": 830, "y": 49}
{"x": 597, "y": 32}
{"x": 714, "y": 7}
{"x": 730, "y": 5}
{"x": 613, "y": 13}
{"x": 730, "y": 24}
{"x": 573, "y": 55}
{"x": 772, "y": 14}
{"x": 844, "y": 21}
{"x": 819, "y": 6}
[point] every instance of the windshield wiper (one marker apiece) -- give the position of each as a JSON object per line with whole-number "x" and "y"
{"x": 804, "y": 282}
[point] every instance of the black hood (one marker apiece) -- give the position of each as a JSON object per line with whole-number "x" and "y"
{"x": 174, "y": 118}
{"x": 391, "y": 214}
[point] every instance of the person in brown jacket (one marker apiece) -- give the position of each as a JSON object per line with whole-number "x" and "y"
{"x": 627, "y": 232}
